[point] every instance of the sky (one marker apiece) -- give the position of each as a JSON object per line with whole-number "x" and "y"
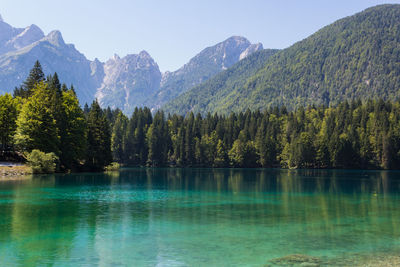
{"x": 173, "y": 31}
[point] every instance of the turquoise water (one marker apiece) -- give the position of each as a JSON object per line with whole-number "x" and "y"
{"x": 198, "y": 217}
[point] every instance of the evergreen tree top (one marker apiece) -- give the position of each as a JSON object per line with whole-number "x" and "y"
{"x": 36, "y": 75}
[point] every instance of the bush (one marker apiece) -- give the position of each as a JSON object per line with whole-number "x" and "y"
{"x": 114, "y": 166}
{"x": 41, "y": 162}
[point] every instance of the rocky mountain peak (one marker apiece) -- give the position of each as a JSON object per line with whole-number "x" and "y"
{"x": 144, "y": 54}
{"x": 128, "y": 81}
{"x": 233, "y": 43}
{"x": 142, "y": 61}
{"x": 115, "y": 57}
{"x": 97, "y": 61}
{"x": 237, "y": 40}
{"x": 33, "y": 29}
{"x": 55, "y": 38}
{"x": 28, "y": 36}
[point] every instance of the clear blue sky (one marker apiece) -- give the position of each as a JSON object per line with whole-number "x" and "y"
{"x": 174, "y": 31}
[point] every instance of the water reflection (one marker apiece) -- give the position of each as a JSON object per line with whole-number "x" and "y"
{"x": 193, "y": 216}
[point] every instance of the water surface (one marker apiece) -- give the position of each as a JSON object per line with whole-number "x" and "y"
{"x": 198, "y": 217}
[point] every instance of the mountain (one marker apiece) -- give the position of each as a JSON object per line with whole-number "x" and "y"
{"x": 125, "y": 83}
{"x": 202, "y": 67}
{"x": 13, "y": 39}
{"x": 355, "y": 57}
{"x": 20, "y": 48}
{"x": 128, "y": 81}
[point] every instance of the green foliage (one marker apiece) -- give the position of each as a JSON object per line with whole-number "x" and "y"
{"x": 9, "y": 108}
{"x": 51, "y": 120}
{"x": 41, "y": 162}
{"x": 353, "y": 58}
{"x": 351, "y": 135}
{"x": 114, "y": 166}
{"x": 118, "y": 136}
{"x": 73, "y": 131}
{"x": 36, "y": 123}
{"x": 199, "y": 69}
{"x": 221, "y": 155}
{"x": 205, "y": 97}
{"x": 98, "y": 139}
{"x": 243, "y": 154}
{"x": 135, "y": 146}
{"x": 157, "y": 140}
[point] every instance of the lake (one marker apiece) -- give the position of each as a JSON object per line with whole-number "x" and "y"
{"x": 200, "y": 217}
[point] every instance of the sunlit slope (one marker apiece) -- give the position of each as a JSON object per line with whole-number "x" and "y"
{"x": 355, "y": 57}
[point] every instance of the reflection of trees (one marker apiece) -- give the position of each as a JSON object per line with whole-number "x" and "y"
{"x": 41, "y": 225}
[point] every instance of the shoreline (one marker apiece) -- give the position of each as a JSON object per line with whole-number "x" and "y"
{"x": 14, "y": 172}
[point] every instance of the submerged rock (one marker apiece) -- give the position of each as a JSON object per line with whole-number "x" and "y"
{"x": 298, "y": 260}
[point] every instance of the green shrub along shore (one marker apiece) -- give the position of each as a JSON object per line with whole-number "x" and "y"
{"x": 46, "y": 116}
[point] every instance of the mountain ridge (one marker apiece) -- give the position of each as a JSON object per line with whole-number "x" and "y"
{"x": 353, "y": 58}
{"x": 55, "y": 56}
{"x": 136, "y": 81}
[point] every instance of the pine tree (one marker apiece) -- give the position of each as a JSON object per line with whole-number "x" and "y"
{"x": 73, "y": 132}
{"x": 118, "y": 137}
{"x": 221, "y": 157}
{"x": 261, "y": 144}
{"x": 157, "y": 141}
{"x": 98, "y": 139}
{"x": 36, "y": 76}
{"x": 189, "y": 140}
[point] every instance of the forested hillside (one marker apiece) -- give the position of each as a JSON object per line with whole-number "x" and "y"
{"x": 354, "y": 58}
{"x": 205, "y": 97}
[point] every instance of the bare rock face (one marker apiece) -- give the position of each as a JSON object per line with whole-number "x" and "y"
{"x": 250, "y": 50}
{"x": 7, "y": 33}
{"x": 128, "y": 81}
{"x": 12, "y": 39}
{"x": 30, "y": 35}
{"x": 97, "y": 71}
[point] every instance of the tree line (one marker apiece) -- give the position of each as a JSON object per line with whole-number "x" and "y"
{"x": 45, "y": 115}
{"x": 350, "y": 135}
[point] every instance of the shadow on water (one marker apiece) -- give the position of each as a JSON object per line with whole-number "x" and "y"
{"x": 145, "y": 216}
